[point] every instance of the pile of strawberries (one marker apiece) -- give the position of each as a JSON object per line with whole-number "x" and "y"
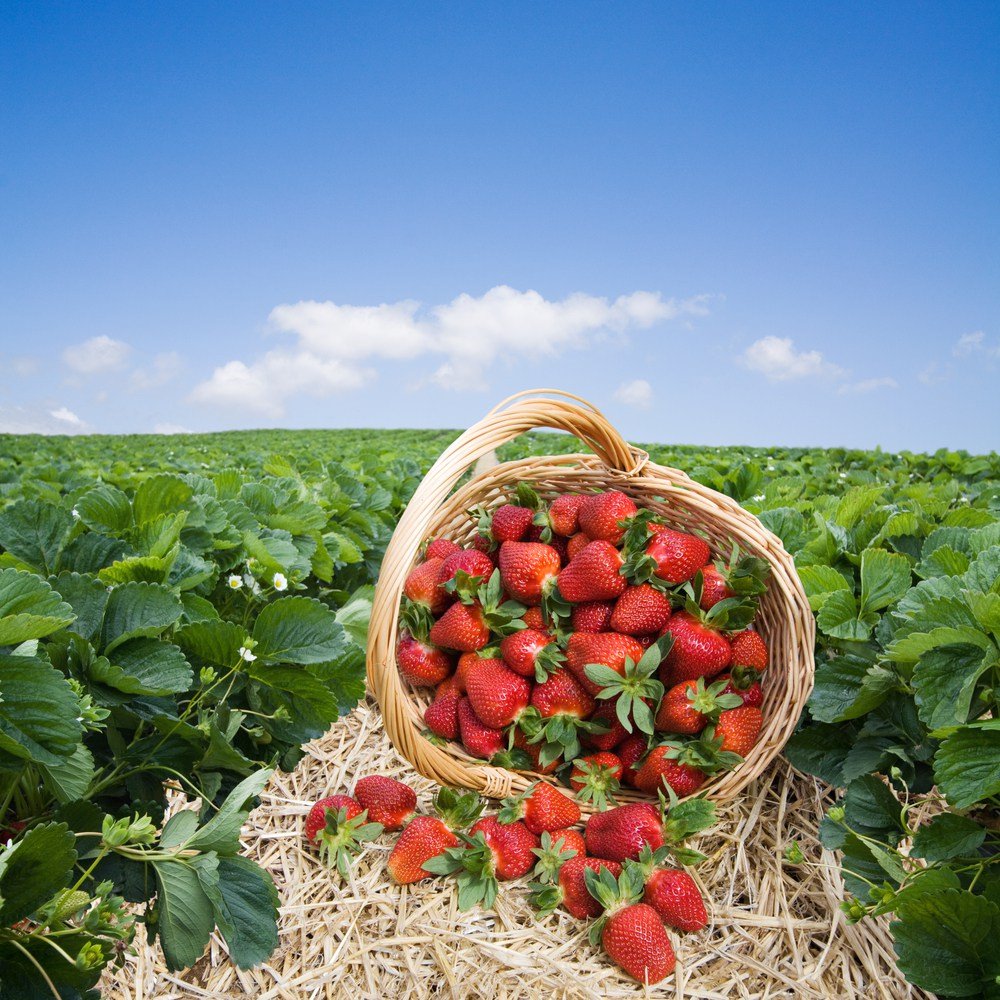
{"x": 586, "y": 638}
{"x": 616, "y": 871}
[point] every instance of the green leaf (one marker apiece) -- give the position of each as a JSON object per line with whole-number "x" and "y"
{"x": 160, "y": 494}
{"x": 298, "y": 630}
{"x": 245, "y": 902}
{"x": 872, "y": 809}
{"x": 144, "y": 666}
{"x": 217, "y": 642}
{"x": 967, "y": 765}
{"x": 355, "y": 615}
{"x": 946, "y": 942}
{"x": 71, "y": 777}
{"x": 138, "y": 569}
{"x": 184, "y": 911}
{"x": 855, "y": 503}
{"x": 944, "y": 682}
{"x": 917, "y": 644}
{"x": 308, "y": 701}
{"x": 138, "y": 610}
{"x": 38, "y": 711}
{"x": 29, "y": 608}
{"x": 947, "y": 836}
{"x": 222, "y": 832}
{"x": 87, "y": 597}
{"x": 106, "y": 509}
{"x": 34, "y": 869}
{"x": 943, "y": 561}
{"x": 841, "y": 618}
{"x": 820, "y": 582}
{"x": 35, "y": 532}
{"x": 179, "y": 829}
{"x": 885, "y": 578}
{"x": 847, "y": 687}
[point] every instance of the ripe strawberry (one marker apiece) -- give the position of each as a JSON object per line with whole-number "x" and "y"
{"x": 697, "y": 650}
{"x": 562, "y": 695}
{"x": 557, "y": 715}
{"x": 593, "y": 616}
{"x": 528, "y": 570}
{"x": 714, "y": 587}
{"x": 577, "y": 544}
{"x": 750, "y": 695}
{"x": 461, "y": 627}
{"x": 564, "y": 514}
{"x": 749, "y": 650}
{"x": 621, "y": 832}
{"x": 600, "y": 515}
{"x": 654, "y": 550}
{"x": 660, "y": 770}
{"x": 510, "y": 523}
{"x": 421, "y": 663}
{"x": 426, "y": 837}
{"x": 421, "y": 586}
{"x": 572, "y": 840}
{"x": 441, "y": 548}
{"x": 461, "y": 676}
{"x": 497, "y": 695}
{"x": 570, "y": 888}
{"x": 636, "y": 942}
{"x": 538, "y": 534}
{"x": 607, "y": 715}
{"x": 341, "y": 829}
{"x": 689, "y": 706}
{"x": 533, "y": 618}
{"x": 441, "y": 715}
{"x": 531, "y": 653}
{"x": 608, "y": 648}
{"x": 593, "y": 574}
{"x": 738, "y": 728}
{"x": 641, "y": 610}
{"x": 478, "y": 739}
{"x": 512, "y": 845}
{"x": 388, "y": 801}
{"x": 534, "y": 752}
{"x": 630, "y": 751}
{"x": 542, "y": 807}
{"x": 474, "y": 564}
{"x": 677, "y": 899}
{"x": 596, "y": 778}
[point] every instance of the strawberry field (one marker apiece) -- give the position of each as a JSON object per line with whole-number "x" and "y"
{"x": 183, "y": 614}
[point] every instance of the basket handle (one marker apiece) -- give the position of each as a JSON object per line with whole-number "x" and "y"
{"x": 517, "y": 414}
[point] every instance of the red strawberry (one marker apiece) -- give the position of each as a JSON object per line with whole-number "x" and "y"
{"x": 478, "y": 739}
{"x": 714, "y": 587}
{"x": 577, "y": 544}
{"x": 600, "y": 515}
{"x": 512, "y": 845}
{"x": 593, "y": 616}
{"x": 528, "y": 570}
{"x": 572, "y": 840}
{"x": 441, "y": 548}
{"x": 461, "y": 627}
{"x": 739, "y": 728}
{"x": 689, "y": 706}
{"x": 676, "y": 898}
{"x": 749, "y": 650}
{"x": 564, "y": 514}
{"x": 316, "y": 820}
{"x": 571, "y": 888}
{"x": 751, "y": 695}
{"x": 697, "y": 650}
{"x": 441, "y": 715}
{"x": 536, "y": 533}
{"x": 421, "y": 663}
{"x": 542, "y": 807}
{"x": 421, "y": 586}
{"x": 660, "y": 770}
{"x": 641, "y": 610}
{"x": 595, "y": 778}
{"x": 498, "y": 695}
{"x": 341, "y": 829}
{"x": 608, "y": 648}
{"x": 562, "y": 695}
{"x": 465, "y": 663}
{"x": 533, "y": 618}
{"x": 673, "y": 556}
{"x": 534, "y": 751}
{"x": 388, "y": 801}
{"x": 621, "y": 832}
{"x": 531, "y": 653}
{"x": 471, "y": 562}
{"x": 426, "y": 837}
{"x": 593, "y": 574}
{"x": 606, "y": 714}
{"x": 630, "y": 751}
{"x": 510, "y": 523}
{"x": 557, "y": 715}
{"x": 636, "y": 942}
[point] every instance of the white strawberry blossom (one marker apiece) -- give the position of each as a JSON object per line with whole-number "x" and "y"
{"x": 75, "y": 513}
{"x": 280, "y": 581}
{"x": 234, "y": 581}
{"x": 247, "y": 655}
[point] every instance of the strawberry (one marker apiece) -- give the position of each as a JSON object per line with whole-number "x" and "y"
{"x": 592, "y": 616}
{"x": 531, "y": 653}
{"x": 462, "y": 627}
{"x": 593, "y": 574}
{"x": 633, "y": 687}
{"x": 621, "y": 832}
{"x": 749, "y": 650}
{"x": 641, "y": 610}
{"x": 534, "y": 754}
{"x": 714, "y": 587}
{"x": 512, "y": 845}
{"x": 387, "y": 801}
{"x": 577, "y": 544}
{"x": 478, "y": 739}
{"x": 475, "y": 565}
{"x": 600, "y": 515}
{"x": 554, "y": 850}
{"x": 441, "y": 548}
{"x": 570, "y": 887}
{"x": 655, "y": 552}
{"x": 630, "y": 751}
{"x": 426, "y": 837}
{"x": 461, "y": 676}
{"x": 608, "y": 648}
{"x": 607, "y": 715}
{"x": 670, "y": 891}
{"x": 538, "y": 534}
{"x": 631, "y": 933}
{"x": 510, "y": 523}
{"x": 542, "y": 807}
{"x": 528, "y": 570}
{"x": 596, "y": 778}
{"x": 571, "y": 838}
{"x": 421, "y": 663}
{"x": 421, "y": 586}
{"x": 738, "y": 728}
{"x": 341, "y": 829}
{"x": 750, "y": 694}
{"x": 689, "y": 706}
{"x": 533, "y": 618}
{"x": 660, "y": 770}
{"x": 557, "y": 715}
{"x": 497, "y": 694}
{"x": 564, "y": 514}
{"x": 441, "y": 715}
{"x": 697, "y": 650}
{"x": 480, "y": 610}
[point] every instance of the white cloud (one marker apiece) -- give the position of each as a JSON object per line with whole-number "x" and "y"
{"x": 636, "y": 393}
{"x": 66, "y": 416}
{"x": 974, "y": 343}
{"x": 933, "y": 374}
{"x": 99, "y": 354}
{"x": 470, "y": 335}
{"x": 868, "y": 385}
{"x": 168, "y": 428}
{"x": 777, "y": 359}
{"x": 165, "y": 367}
{"x": 37, "y": 419}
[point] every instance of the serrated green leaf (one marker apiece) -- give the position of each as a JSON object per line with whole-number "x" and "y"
{"x": 967, "y": 765}
{"x": 944, "y": 682}
{"x": 34, "y": 869}
{"x": 841, "y": 618}
{"x": 160, "y": 494}
{"x": 106, "y": 509}
{"x": 885, "y": 578}
{"x": 222, "y": 832}
{"x": 29, "y": 608}
{"x": 298, "y": 630}
{"x": 35, "y": 532}
{"x": 184, "y": 911}
{"x": 217, "y": 642}
{"x": 848, "y": 687}
{"x": 245, "y": 902}
{"x": 144, "y": 666}
{"x": 71, "y": 777}
{"x": 947, "y": 836}
{"x": 86, "y": 596}
{"x": 137, "y": 610}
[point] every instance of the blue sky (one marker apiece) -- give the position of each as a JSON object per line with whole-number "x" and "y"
{"x": 723, "y": 223}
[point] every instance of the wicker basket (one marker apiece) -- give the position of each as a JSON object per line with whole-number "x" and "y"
{"x": 436, "y": 508}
